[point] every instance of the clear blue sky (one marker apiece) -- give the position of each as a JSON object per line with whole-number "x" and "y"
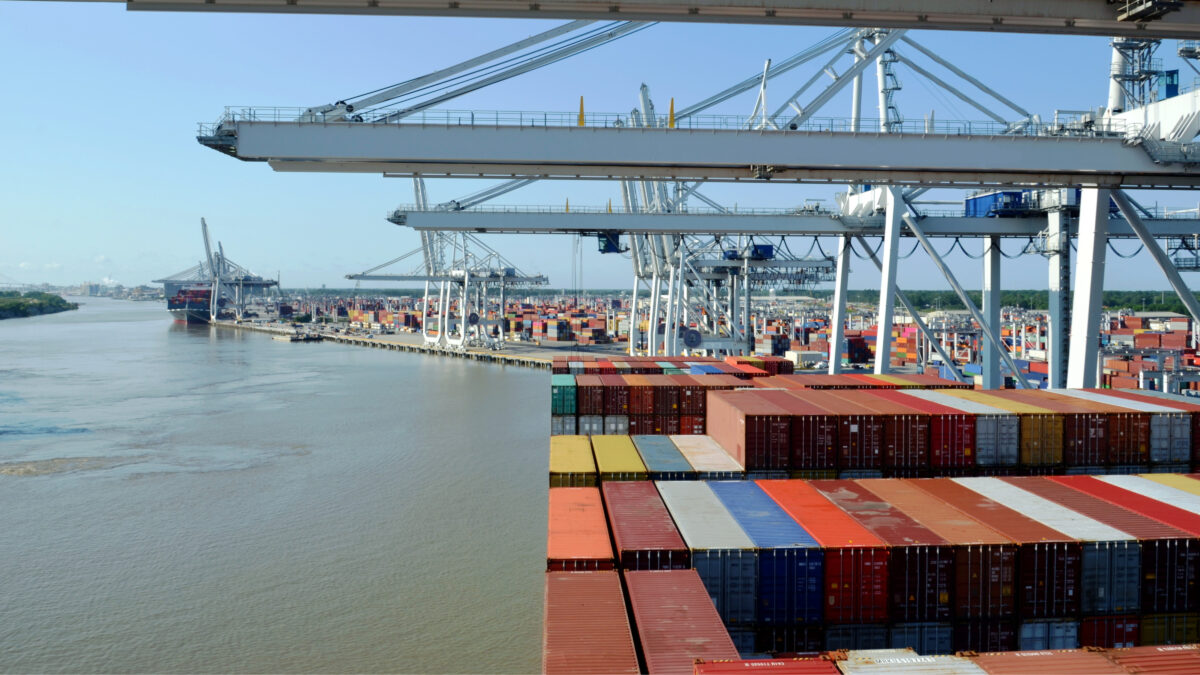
{"x": 102, "y": 179}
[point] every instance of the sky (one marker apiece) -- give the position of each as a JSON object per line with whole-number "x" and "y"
{"x": 102, "y": 180}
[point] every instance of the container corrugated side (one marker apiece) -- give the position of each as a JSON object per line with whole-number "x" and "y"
{"x": 1059, "y": 662}
{"x": 589, "y": 395}
{"x": 1164, "y": 659}
{"x": 796, "y": 666}
{"x": 814, "y": 433}
{"x": 571, "y": 462}
{"x": 577, "y": 538}
{"x": 920, "y": 563}
{"x": 985, "y": 635}
{"x": 756, "y": 432}
{"x": 905, "y": 429}
{"x": 722, "y": 554}
{"x": 1110, "y": 632}
{"x": 1178, "y": 628}
{"x": 856, "y": 636}
{"x": 790, "y": 562}
{"x": 1110, "y": 567}
{"x": 1176, "y": 403}
{"x": 675, "y": 621}
{"x": 1041, "y": 430}
{"x": 562, "y": 395}
{"x": 1148, "y": 506}
{"x": 708, "y": 458}
{"x": 984, "y": 559}
{"x": 997, "y": 431}
{"x": 642, "y": 529}
{"x": 1086, "y": 441}
{"x": 856, "y": 561}
{"x": 860, "y": 432}
{"x": 1170, "y": 557}
{"x": 1038, "y": 634}
{"x": 951, "y": 431}
{"x": 1047, "y": 560}
{"x": 662, "y": 459}
{"x": 585, "y": 628}
{"x": 885, "y": 661}
{"x": 926, "y": 637}
{"x": 617, "y": 458}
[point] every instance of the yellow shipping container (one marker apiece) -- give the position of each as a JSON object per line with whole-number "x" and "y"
{"x": 892, "y": 379}
{"x": 1170, "y": 629}
{"x": 1174, "y": 480}
{"x": 571, "y": 462}
{"x": 1041, "y": 429}
{"x": 618, "y": 459}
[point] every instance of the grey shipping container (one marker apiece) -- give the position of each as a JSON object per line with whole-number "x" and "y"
{"x": 616, "y": 425}
{"x": 1048, "y": 634}
{"x": 997, "y": 432}
{"x": 924, "y": 637}
{"x": 722, "y": 553}
{"x": 591, "y": 425}
{"x": 1170, "y": 430}
{"x": 856, "y": 636}
{"x": 562, "y": 425}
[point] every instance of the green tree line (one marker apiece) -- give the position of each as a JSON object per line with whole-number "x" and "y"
{"x": 14, "y": 304}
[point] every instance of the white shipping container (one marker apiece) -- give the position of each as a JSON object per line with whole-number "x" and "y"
{"x": 708, "y": 458}
{"x": 591, "y": 425}
{"x": 616, "y": 425}
{"x": 885, "y": 661}
{"x": 562, "y": 425}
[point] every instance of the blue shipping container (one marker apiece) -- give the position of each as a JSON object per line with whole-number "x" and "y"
{"x": 663, "y": 460}
{"x": 790, "y": 562}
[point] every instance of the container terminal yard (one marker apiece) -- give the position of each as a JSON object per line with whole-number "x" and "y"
{"x": 1007, "y": 490}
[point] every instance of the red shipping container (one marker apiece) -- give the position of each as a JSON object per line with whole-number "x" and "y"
{"x": 642, "y": 529}
{"x": 856, "y": 561}
{"x": 577, "y": 538}
{"x": 668, "y": 425}
{"x": 753, "y": 430}
{"x": 777, "y": 666}
{"x": 585, "y": 626}
{"x": 984, "y": 559}
{"x": 645, "y": 425}
{"x": 666, "y": 394}
{"x": 920, "y": 564}
{"x": 1048, "y": 561}
{"x": 1164, "y": 659}
{"x": 589, "y": 394}
{"x": 1170, "y": 557}
{"x": 814, "y": 434}
{"x": 693, "y": 394}
{"x": 1110, "y": 631}
{"x": 859, "y": 434}
{"x": 1167, "y": 403}
{"x": 616, "y": 395}
{"x": 1059, "y": 661}
{"x": 676, "y": 621}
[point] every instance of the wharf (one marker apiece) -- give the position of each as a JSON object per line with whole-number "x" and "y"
{"x": 513, "y": 354}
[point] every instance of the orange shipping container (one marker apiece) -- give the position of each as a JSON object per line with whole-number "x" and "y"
{"x": 578, "y": 532}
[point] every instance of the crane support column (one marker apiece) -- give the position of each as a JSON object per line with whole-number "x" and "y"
{"x": 1058, "y": 245}
{"x": 1164, "y": 263}
{"x": 991, "y": 313}
{"x": 837, "y": 325}
{"x": 1083, "y": 365}
{"x": 887, "y": 284}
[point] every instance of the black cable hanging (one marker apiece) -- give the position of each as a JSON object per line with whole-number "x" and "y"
{"x": 910, "y": 253}
{"x": 1118, "y": 253}
{"x": 1025, "y": 249}
{"x": 958, "y": 242}
{"x": 864, "y": 257}
{"x": 817, "y": 241}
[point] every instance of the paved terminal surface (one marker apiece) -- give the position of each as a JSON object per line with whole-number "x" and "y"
{"x": 526, "y": 354}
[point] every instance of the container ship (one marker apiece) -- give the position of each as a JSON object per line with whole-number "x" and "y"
{"x": 190, "y": 293}
{"x": 189, "y": 303}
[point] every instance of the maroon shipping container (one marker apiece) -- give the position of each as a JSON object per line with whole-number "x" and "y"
{"x": 1127, "y": 432}
{"x": 985, "y": 635}
{"x": 642, "y": 528}
{"x": 951, "y": 431}
{"x": 984, "y": 559}
{"x": 692, "y": 425}
{"x": 676, "y": 621}
{"x": 905, "y": 430}
{"x": 585, "y": 628}
{"x": 666, "y": 394}
{"x": 920, "y": 564}
{"x": 589, "y": 395}
{"x": 814, "y": 430}
{"x": 1110, "y": 631}
{"x": 1085, "y": 433}
{"x": 1170, "y": 557}
{"x": 753, "y": 430}
{"x": 643, "y": 425}
{"x": 692, "y": 394}
{"x": 1159, "y": 659}
{"x": 616, "y": 395}
{"x": 1182, "y": 406}
{"x": 1048, "y": 561}
{"x": 641, "y": 395}
{"x": 668, "y": 425}
{"x": 860, "y": 443}
{"x": 1045, "y": 662}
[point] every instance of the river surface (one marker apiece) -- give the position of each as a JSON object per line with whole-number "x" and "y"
{"x": 192, "y": 499}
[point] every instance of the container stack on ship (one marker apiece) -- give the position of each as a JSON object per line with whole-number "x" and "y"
{"x": 863, "y": 523}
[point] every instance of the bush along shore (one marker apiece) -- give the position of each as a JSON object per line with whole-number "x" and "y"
{"x": 14, "y": 304}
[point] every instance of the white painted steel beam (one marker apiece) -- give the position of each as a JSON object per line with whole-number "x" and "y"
{"x": 1060, "y": 17}
{"x": 989, "y": 331}
{"x": 1058, "y": 241}
{"x": 1084, "y": 361}
{"x": 837, "y": 334}
{"x": 518, "y": 221}
{"x": 464, "y": 148}
{"x": 1186, "y": 296}
{"x": 991, "y": 312}
{"x": 887, "y": 284}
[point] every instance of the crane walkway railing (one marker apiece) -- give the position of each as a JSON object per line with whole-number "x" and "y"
{"x": 781, "y": 124}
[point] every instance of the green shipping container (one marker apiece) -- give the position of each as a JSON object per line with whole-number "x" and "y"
{"x": 562, "y": 394}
